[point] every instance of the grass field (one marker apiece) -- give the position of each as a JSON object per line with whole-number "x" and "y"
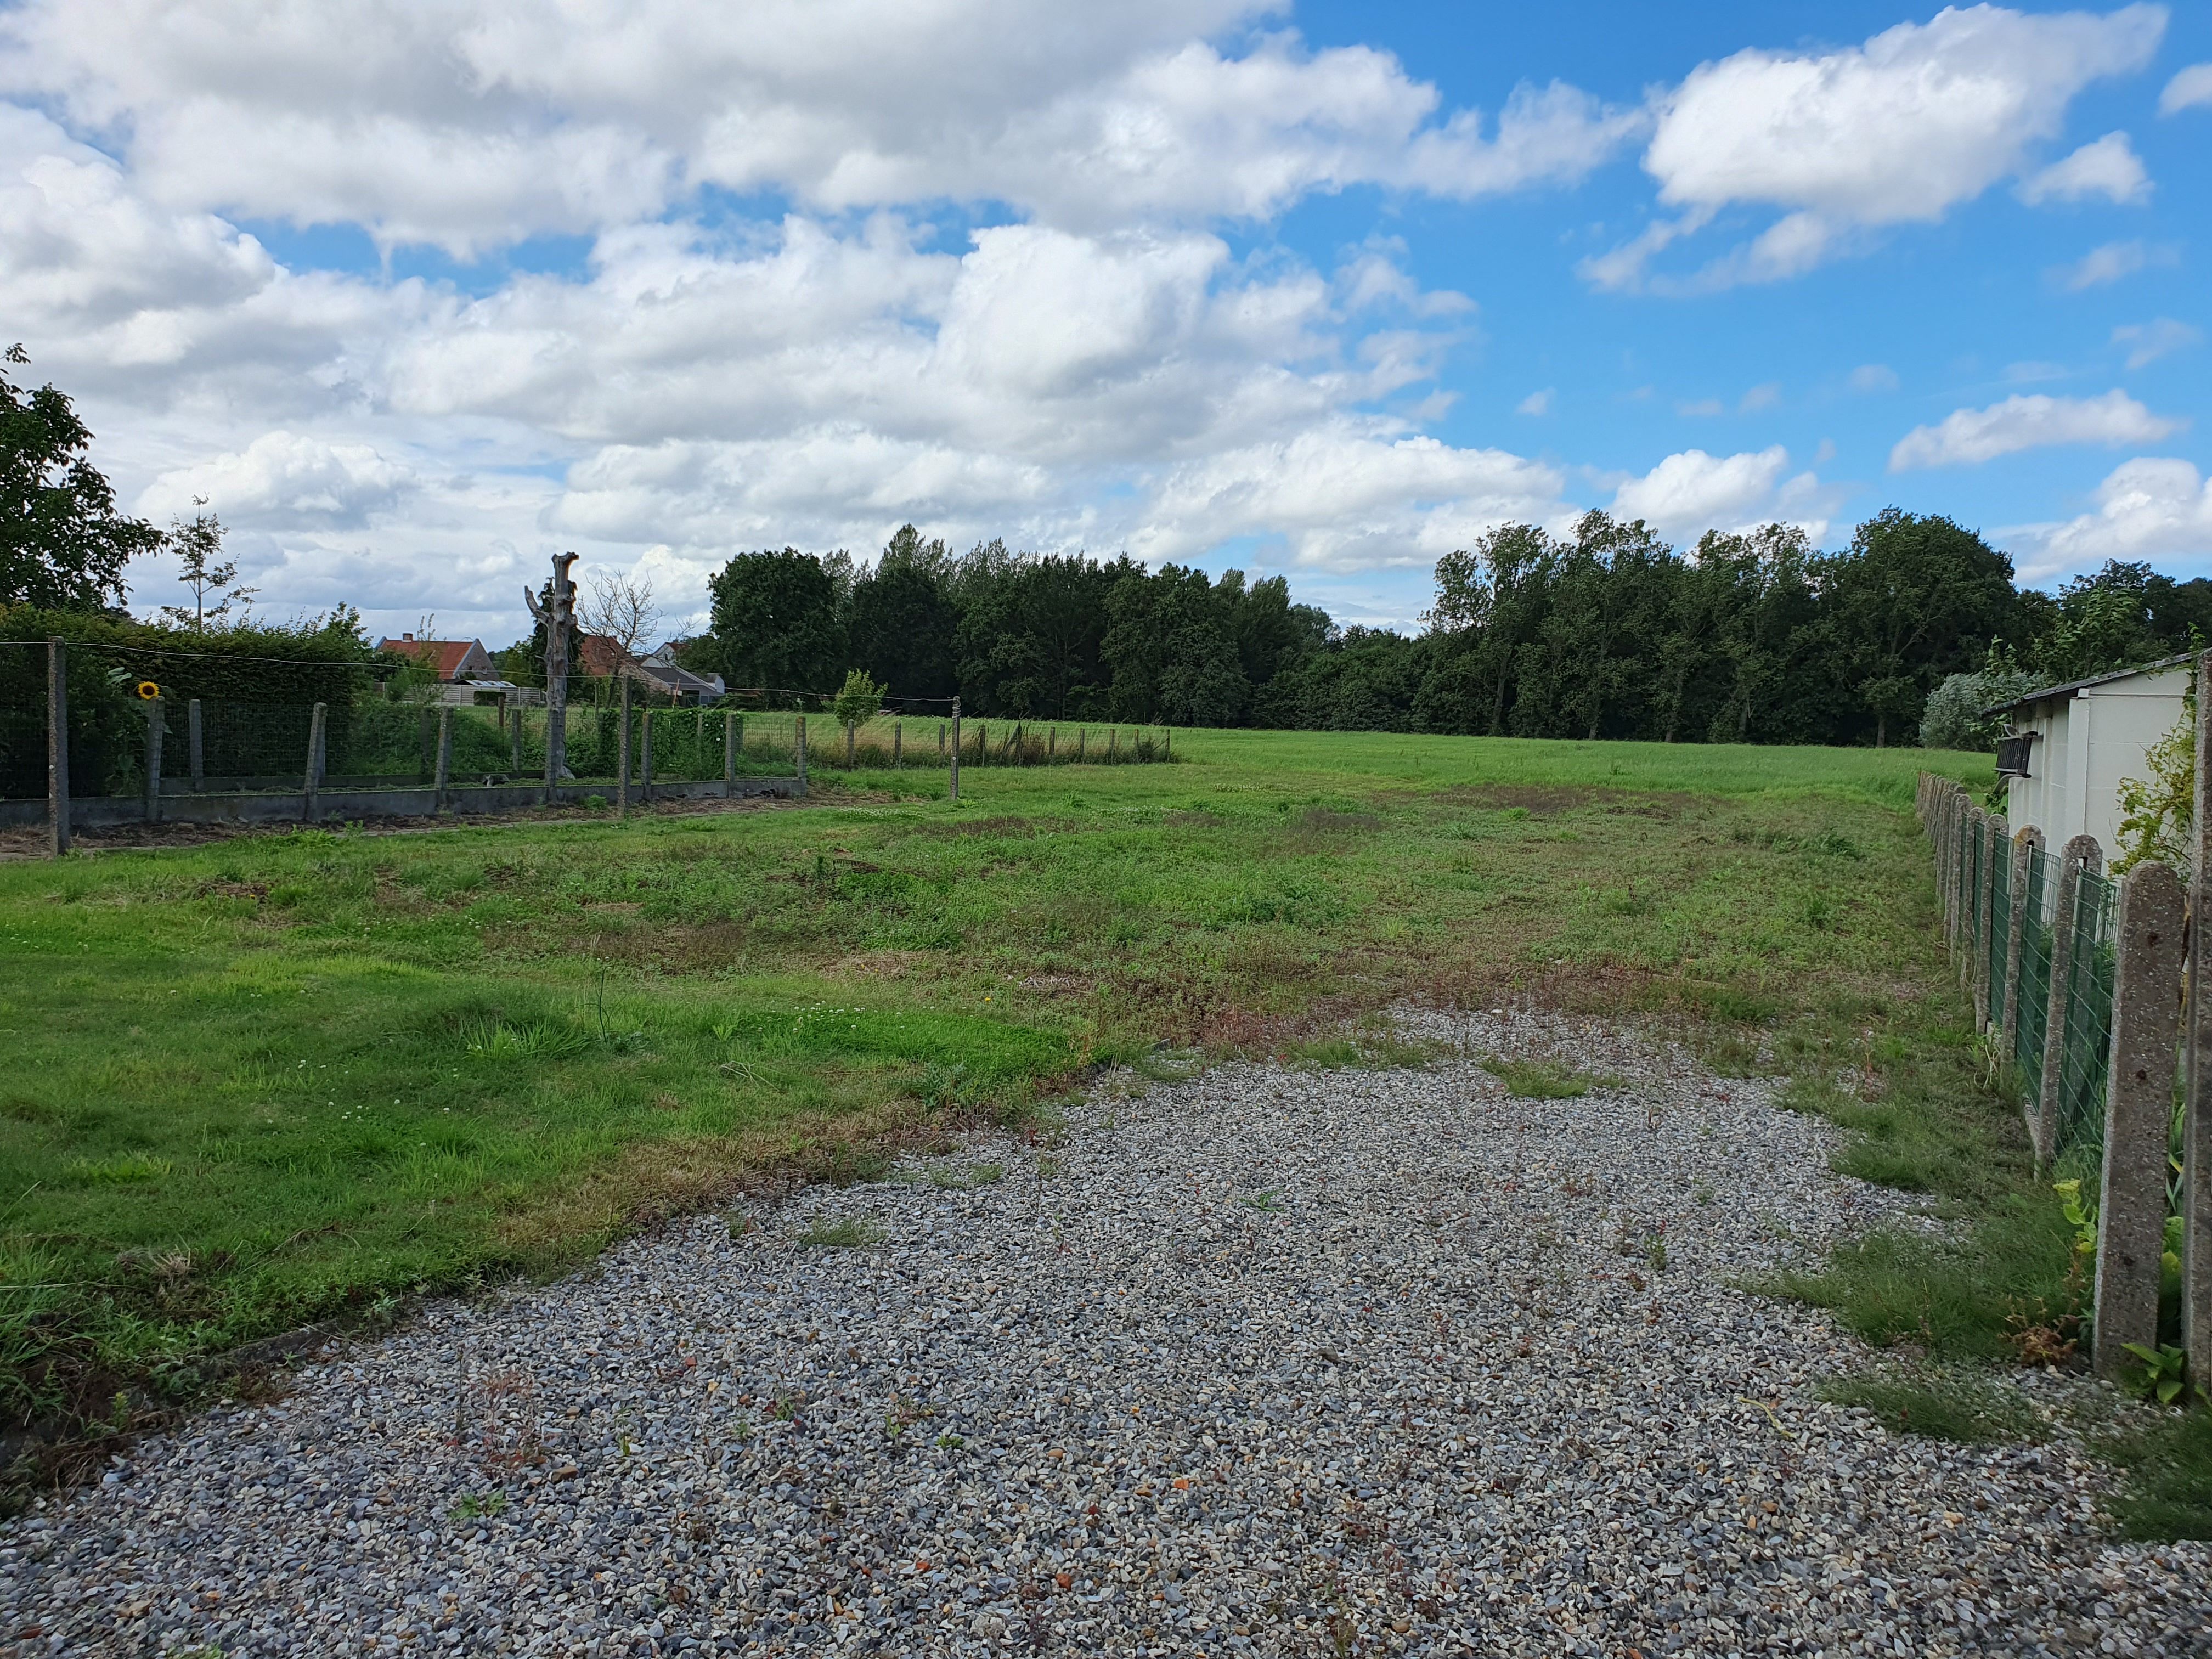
{"x": 292, "y": 1077}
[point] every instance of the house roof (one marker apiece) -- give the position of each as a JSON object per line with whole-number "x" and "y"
{"x": 444, "y": 658}
{"x": 602, "y": 655}
{"x": 2071, "y": 686}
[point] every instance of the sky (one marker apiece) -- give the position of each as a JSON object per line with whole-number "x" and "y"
{"x": 415, "y": 294}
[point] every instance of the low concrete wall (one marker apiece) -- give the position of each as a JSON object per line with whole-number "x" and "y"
{"x": 338, "y": 805}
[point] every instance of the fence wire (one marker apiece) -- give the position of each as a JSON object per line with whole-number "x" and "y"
{"x": 2085, "y": 1054}
{"x": 2031, "y": 1012}
{"x": 1981, "y": 902}
{"x": 1999, "y": 929}
{"x": 193, "y": 718}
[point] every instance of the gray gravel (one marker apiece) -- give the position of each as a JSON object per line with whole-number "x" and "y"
{"x": 1269, "y": 1362}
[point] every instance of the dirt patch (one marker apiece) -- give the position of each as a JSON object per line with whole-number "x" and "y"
{"x": 1540, "y": 800}
{"x": 1059, "y": 985}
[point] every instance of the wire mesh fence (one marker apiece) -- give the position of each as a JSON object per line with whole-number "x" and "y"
{"x": 2066, "y": 983}
{"x": 2031, "y": 989}
{"x": 151, "y": 733}
{"x": 2079, "y": 1123}
{"x": 1999, "y": 932}
{"x": 2097, "y": 1025}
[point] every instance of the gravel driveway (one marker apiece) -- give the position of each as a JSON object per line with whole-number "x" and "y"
{"x": 1269, "y": 1362}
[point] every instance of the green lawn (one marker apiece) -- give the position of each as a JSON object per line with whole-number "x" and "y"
{"x": 290, "y": 1077}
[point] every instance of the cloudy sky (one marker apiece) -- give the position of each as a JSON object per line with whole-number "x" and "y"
{"x": 416, "y": 294}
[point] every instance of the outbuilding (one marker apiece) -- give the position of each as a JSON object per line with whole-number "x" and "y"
{"x": 2068, "y": 747}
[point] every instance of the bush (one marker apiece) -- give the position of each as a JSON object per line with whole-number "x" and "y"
{"x": 1953, "y": 718}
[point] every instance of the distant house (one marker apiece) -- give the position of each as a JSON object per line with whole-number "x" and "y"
{"x": 466, "y": 670}
{"x": 2069, "y": 746}
{"x": 449, "y": 659}
{"x": 656, "y": 675}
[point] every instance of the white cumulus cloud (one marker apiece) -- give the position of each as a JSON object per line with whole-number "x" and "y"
{"x": 2109, "y": 167}
{"x": 485, "y": 122}
{"x": 287, "y": 477}
{"x": 1900, "y": 131}
{"x": 1692, "y": 492}
{"x": 2147, "y": 508}
{"x": 2190, "y": 89}
{"x": 1969, "y": 436}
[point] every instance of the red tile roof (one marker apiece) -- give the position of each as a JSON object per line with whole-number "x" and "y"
{"x": 447, "y": 657}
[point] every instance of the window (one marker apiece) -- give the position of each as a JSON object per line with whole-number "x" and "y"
{"x": 2012, "y": 755}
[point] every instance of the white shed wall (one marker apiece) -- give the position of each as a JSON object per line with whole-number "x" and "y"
{"x": 2087, "y": 743}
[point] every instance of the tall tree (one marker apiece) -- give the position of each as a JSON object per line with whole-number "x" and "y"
{"x": 900, "y": 619}
{"x": 63, "y": 545}
{"x": 775, "y": 621}
{"x": 1916, "y": 599}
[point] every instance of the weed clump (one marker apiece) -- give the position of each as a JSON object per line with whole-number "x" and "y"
{"x": 1545, "y": 1080}
{"x": 1941, "y": 1403}
{"x": 853, "y": 1233}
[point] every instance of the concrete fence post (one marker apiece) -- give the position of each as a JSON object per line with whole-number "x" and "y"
{"x": 155, "y": 730}
{"x": 57, "y": 758}
{"x": 2081, "y": 853}
{"x": 622, "y": 748}
{"x": 2024, "y": 846}
{"x": 2196, "y": 1059}
{"x": 955, "y": 749}
{"x": 310, "y": 808}
{"x": 798, "y": 753}
{"x": 195, "y": 745}
{"x": 510, "y": 710}
{"x": 645, "y": 757}
{"x": 898, "y": 746}
{"x": 442, "y": 782}
{"x": 2146, "y": 979}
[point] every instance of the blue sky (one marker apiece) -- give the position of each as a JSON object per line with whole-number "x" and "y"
{"x": 415, "y": 299}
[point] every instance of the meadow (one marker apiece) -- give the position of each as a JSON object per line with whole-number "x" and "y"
{"x": 297, "y": 1077}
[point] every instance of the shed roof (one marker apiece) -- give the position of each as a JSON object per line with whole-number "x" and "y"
{"x": 2071, "y": 686}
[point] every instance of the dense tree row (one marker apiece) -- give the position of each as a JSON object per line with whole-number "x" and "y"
{"x": 1608, "y": 633}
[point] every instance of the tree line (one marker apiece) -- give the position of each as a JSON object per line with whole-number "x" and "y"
{"x": 1603, "y": 631}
